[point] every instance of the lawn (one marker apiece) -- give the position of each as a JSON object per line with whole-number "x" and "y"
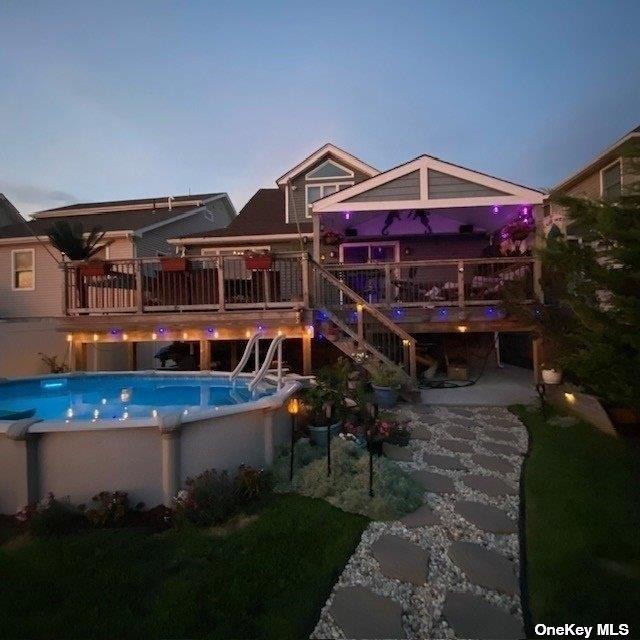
{"x": 267, "y": 580}
{"x": 582, "y": 525}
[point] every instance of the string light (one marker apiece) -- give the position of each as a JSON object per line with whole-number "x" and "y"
{"x": 125, "y": 336}
{"x": 310, "y": 331}
{"x": 154, "y": 335}
{"x": 96, "y": 337}
{"x": 462, "y": 328}
{"x": 185, "y": 335}
{"x": 247, "y": 333}
{"x": 69, "y": 337}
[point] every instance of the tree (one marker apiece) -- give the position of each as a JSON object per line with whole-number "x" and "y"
{"x": 591, "y": 317}
{"x": 70, "y": 240}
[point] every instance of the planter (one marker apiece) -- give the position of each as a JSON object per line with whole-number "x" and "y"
{"x": 258, "y": 263}
{"x": 170, "y": 265}
{"x": 94, "y": 268}
{"x": 551, "y": 376}
{"x": 386, "y": 397}
{"x": 319, "y": 434}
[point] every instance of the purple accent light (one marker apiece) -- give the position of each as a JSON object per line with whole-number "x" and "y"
{"x": 496, "y": 209}
{"x": 347, "y": 216}
{"x": 210, "y": 329}
{"x": 161, "y": 330}
{"x": 443, "y": 312}
{"x": 115, "y": 332}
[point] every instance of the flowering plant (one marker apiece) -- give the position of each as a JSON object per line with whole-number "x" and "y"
{"x": 388, "y": 429}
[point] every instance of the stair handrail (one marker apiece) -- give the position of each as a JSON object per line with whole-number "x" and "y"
{"x": 406, "y": 338}
{"x": 276, "y": 343}
{"x": 253, "y": 343}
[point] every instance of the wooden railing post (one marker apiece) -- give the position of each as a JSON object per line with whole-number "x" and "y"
{"x": 359, "y": 313}
{"x": 265, "y": 282}
{"x": 220, "y": 274}
{"x": 305, "y": 279}
{"x": 461, "y": 284}
{"x": 139, "y": 294}
{"x": 387, "y": 284}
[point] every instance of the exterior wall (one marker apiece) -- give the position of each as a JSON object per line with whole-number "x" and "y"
{"x": 297, "y": 195}
{"x": 46, "y": 299}
{"x": 216, "y": 215}
{"x": 276, "y": 247}
{"x": 442, "y": 185}
{"x": 22, "y": 342}
{"x": 404, "y": 188}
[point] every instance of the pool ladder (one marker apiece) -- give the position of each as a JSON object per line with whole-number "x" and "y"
{"x": 260, "y": 371}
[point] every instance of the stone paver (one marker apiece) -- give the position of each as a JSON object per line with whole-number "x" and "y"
{"x": 489, "y": 485}
{"x": 484, "y": 567}
{"x": 493, "y": 463}
{"x": 456, "y": 446}
{"x": 434, "y": 482}
{"x": 461, "y": 432}
{"x": 451, "y": 463}
{"x": 473, "y": 617}
{"x": 505, "y": 449}
{"x": 422, "y": 517}
{"x": 394, "y": 452}
{"x": 360, "y": 613}
{"x": 420, "y": 432}
{"x": 486, "y": 517}
{"x": 401, "y": 559}
{"x": 502, "y": 436}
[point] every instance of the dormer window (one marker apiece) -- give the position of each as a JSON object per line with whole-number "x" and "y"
{"x": 611, "y": 182}
{"x": 329, "y": 169}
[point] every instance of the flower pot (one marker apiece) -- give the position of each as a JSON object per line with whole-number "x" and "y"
{"x": 259, "y": 262}
{"x": 386, "y": 397}
{"x": 319, "y": 434}
{"x": 94, "y": 268}
{"x": 551, "y": 376}
{"x": 174, "y": 264}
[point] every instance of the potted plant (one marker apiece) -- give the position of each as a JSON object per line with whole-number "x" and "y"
{"x": 386, "y": 383}
{"x": 173, "y": 264}
{"x": 255, "y": 261}
{"x": 551, "y": 374}
{"x": 331, "y": 238}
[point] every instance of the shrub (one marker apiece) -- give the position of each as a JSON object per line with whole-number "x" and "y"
{"x": 214, "y": 496}
{"x": 395, "y": 493}
{"x": 52, "y": 517}
{"x": 385, "y": 376}
{"x": 303, "y": 454}
{"x": 112, "y": 509}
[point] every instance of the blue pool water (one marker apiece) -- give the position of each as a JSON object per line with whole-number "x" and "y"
{"x": 120, "y": 397}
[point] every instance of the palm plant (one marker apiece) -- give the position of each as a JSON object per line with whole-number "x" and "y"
{"x": 70, "y": 240}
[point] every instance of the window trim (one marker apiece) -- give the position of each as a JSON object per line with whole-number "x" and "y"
{"x": 617, "y": 161}
{"x": 383, "y": 243}
{"x": 13, "y": 269}
{"x": 350, "y": 173}
{"x": 346, "y": 184}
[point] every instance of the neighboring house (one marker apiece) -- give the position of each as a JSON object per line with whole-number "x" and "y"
{"x": 8, "y": 213}
{"x": 33, "y": 289}
{"x": 31, "y": 280}
{"x": 612, "y": 173}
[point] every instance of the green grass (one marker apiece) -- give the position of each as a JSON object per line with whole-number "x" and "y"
{"x": 582, "y": 525}
{"x": 268, "y": 580}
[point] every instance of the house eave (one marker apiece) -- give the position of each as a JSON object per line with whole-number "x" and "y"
{"x": 238, "y": 239}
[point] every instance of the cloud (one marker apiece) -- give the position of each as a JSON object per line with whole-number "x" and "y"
{"x": 28, "y": 197}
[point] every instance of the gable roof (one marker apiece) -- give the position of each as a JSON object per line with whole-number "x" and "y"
{"x": 114, "y": 219}
{"x": 263, "y": 215}
{"x": 608, "y": 155}
{"x": 336, "y": 152}
{"x": 8, "y": 211}
{"x": 491, "y": 190}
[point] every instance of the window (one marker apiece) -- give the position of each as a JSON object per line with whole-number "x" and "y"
{"x": 364, "y": 252}
{"x": 317, "y": 191}
{"x": 329, "y": 169}
{"x": 23, "y": 272}
{"x": 611, "y": 181}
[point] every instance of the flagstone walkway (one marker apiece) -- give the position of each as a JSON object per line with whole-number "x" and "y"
{"x": 450, "y": 569}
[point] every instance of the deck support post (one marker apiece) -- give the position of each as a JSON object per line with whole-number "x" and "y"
{"x": 316, "y": 236}
{"x": 205, "y": 355}
{"x": 170, "y": 428}
{"x": 306, "y": 355}
{"x": 132, "y": 356}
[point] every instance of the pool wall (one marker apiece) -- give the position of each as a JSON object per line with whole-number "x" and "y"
{"x": 150, "y": 459}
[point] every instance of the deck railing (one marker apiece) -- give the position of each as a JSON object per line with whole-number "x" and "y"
{"x": 419, "y": 283}
{"x": 223, "y": 283}
{"x": 217, "y": 283}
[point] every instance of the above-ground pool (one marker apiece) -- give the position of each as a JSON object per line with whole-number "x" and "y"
{"x": 122, "y": 397}
{"x": 144, "y": 433}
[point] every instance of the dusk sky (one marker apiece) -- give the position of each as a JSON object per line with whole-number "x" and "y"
{"x": 111, "y": 100}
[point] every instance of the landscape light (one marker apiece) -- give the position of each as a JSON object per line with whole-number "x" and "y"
{"x": 570, "y": 397}
{"x": 293, "y": 406}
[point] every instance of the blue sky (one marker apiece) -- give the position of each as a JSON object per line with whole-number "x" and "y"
{"x": 131, "y": 99}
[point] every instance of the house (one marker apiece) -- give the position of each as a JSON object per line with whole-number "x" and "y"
{"x": 609, "y": 175}
{"x": 33, "y": 289}
{"x": 340, "y": 258}
{"x": 8, "y": 213}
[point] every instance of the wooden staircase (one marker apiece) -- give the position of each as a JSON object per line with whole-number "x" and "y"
{"x": 366, "y": 334}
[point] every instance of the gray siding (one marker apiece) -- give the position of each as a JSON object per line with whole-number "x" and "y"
{"x": 215, "y": 215}
{"x": 297, "y": 195}
{"x": 404, "y": 188}
{"x": 442, "y": 185}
